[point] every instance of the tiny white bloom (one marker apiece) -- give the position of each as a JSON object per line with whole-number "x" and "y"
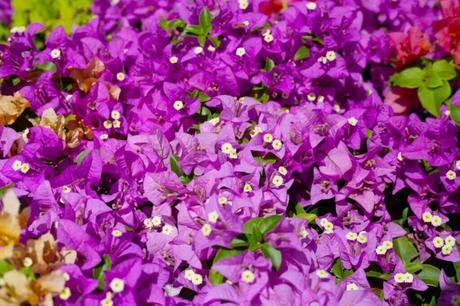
{"x": 25, "y": 168}
{"x": 116, "y": 233}
{"x": 352, "y": 287}
{"x": 268, "y": 137}
{"x": 323, "y": 222}
{"x": 457, "y": 165}
{"x": 107, "y": 124}
{"x": 446, "y": 249}
{"x": 226, "y": 148}
{"x": 121, "y": 76}
{"x": 167, "y": 229}
{"x": 399, "y": 278}
{"x": 104, "y": 136}
{"x": 156, "y": 220}
{"x": 451, "y": 175}
{"x": 148, "y": 223}
{"x": 337, "y": 108}
{"x": 55, "y": 53}
{"x": 173, "y": 59}
{"x": 20, "y": 29}
{"x": 178, "y": 105}
{"x": 197, "y": 279}
{"x": 362, "y": 238}
{"x": 17, "y": 165}
{"x": 245, "y": 23}
{"x": 268, "y": 37}
{"x": 211, "y": 48}
{"x": 352, "y": 121}
{"x": 206, "y": 230}
{"x": 66, "y": 189}
{"x": 65, "y": 294}
{"x": 240, "y": 51}
{"x": 311, "y": 5}
{"x": 322, "y": 273}
{"x": 247, "y": 276}
{"x": 438, "y": 242}
{"x": 198, "y": 50}
{"x": 247, "y": 188}
{"x": 436, "y": 221}
{"x": 400, "y": 157}
{"x": 331, "y": 56}
{"x": 351, "y": 236}
{"x": 115, "y": 115}
{"x": 277, "y": 181}
{"x": 282, "y": 170}
{"x": 222, "y": 200}
{"x": 311, "y": 96}
{"x": 116, "y": 124}
{"x": 28, "y": 262}
{"x": 277, "y": 144}
{"x": 303, "y": 232}
{"x": 188, "y": 274}
{"x": 243, "y": 4}
{"x": 213, "y": 216}
{"x": 214, "y": 121}
{"x": 329, "y": 228}
{"x": 107, "y": 302}
{"x": 380, "y": 250}
{"x": 387, "y": 244}
{"x": 408, "y": 277}
{"x": 450, "y": 240}
{"x": 117, "y": 285}
{"x": 427, "y": 216}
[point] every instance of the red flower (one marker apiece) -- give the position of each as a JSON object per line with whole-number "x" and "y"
{"x": 272, "y": 6}
{"x": 448, "y": 29}
{"x": 409, "y": 46}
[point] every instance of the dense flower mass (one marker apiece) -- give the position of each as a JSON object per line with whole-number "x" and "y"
{"x": 240, "y": 152}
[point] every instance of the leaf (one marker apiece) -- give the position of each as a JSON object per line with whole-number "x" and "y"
{"x": 225, "y": 253}
{"x": 444, "y": 69}
{"x": 215, "y": 277}
{"x": 301, "y": 213}
{"x": 302, "y": 53}
{"x": 457, "y": 271}
{"x": 433, "y": 81}
{"x": 379, "y": 275}
{"x": 269, "y": 64}
{"x": 408, "y": 78}
{"x": 81, "y": 156}
{"x": 413, "y": 267}
{"x": 98, "y": 272}
{"x": 11, "y": 107}
{"x": 428, "y": 100}
{"x": 269, "y": 158}
{"x": 239, "y": 243}
{"x": 268, "y": 223}
{"x": 5, "y": 266}
{"x": 5, "y": 188}
{"x": 405, "y": 249}
{"x": 429, "y": 275}
{"x": 205, "y": 20}
{"x": 273, "y": 254}
{"x": 443, "y": 92}
{"x": 455, "y": 113}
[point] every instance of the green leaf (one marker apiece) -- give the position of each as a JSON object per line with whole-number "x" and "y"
{"x": 408, "y": 78}
{"x": 301, "y": 213}
{"x": 444, "y": 69}
{"x": 428, "y": 100}
{"x": 267, "y": 224}
{"x": 174, "y": 164}
{"x": 455, "y": 113}
{"x": 405, "y": 249}
{"x": 443, "y": 92}
{"x": 379, "y": 275}
{"x": 80, "y": 157}
{"x": 27, "y": 271}
{"x": 205, "y": 20}
{"x": 302, "y": 53}
{"x": 269, "y": 64}
{"x": 48, "y": 66}
{"x": 429, "y": 275}
{"x": 269, "y": 158}
{"x": 5, "y": 266}
{"x": 413, "y": 267}
{"x": 457, "y": 271}
{"x": 239, "y": 243}
{"x": 433, "y": 81}
{"x": 98, "y": 272}
{"x": 273, "y": 254}
{"x": 215, "y": 277}
{"x": 194, "y": 30}
{"x": 5, "y": 188}
{"x": 251, "y": 230}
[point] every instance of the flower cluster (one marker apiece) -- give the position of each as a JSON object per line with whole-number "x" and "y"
{"x": 235, "y": 152}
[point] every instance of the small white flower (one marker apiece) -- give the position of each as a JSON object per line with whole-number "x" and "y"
{"x": 352, "y": 287}
{"x": 107, "y": 302}
{"x": 65, "y": 294}
{"x": 277, "y": 144}
{"x": 277, "y": 181}
{"x": 178, "y": 105}
{"x": 25, "y": 168}
{"x": 104, "y": 136}
{"x": 457, "y": 165}
{"x": 352, "y": 121}
{"x": 329, "y": 228}
{"x": 322, "y": 273}
{"x": 387, "y": 244}
{"x": 214, "y": 121}
{"x": 427, "y": 217}
{"x": 450, "y": 240}
{"x": 247, "y": 276}
{"x": 323, "y": 222}
{"x": 331, "y": 56}
{"x": 362, "y": 238}
{"x": 116, "y": 233}
{"x": 188, "y": 274}
{"x": 321, "y": 99}
{"x": 451, "y": 175}
{"x": 400, "y": 157}
{"x": 337, "y": 108}
{"x": 115, "y": 115}
{"x": 173, "y": 59}
{"x": 213, "y": 216}
{"x": 436, "y": 221}
{"x": 245, "y": 23}
{"x": 226, "y": 148}
{"x": 240, "y": 51}
{"x": 206, "y": 230}
{"x": 247, "y": 187}
{"x": 148, "y": 223}
{"x": 197, "y": 279}
{"x": 107, "y": 124}
{"x": 282, "y": 170}
{"x": 446, "y": 249}
{"x": 399, "y": 278}
{"x": 380, "y": 250}
{"x": 302, "y": 232}
{"x": 311, "y": 96}
{"x": 198, "y": 50}
{"x": 351, "y": 236}
{"x": 438, "y": 242}
{"x": 121, "y": 76}
{"x": 211, "y": 49}
{"x": 28, "y": 262}
{"x": 167, "y": 229}
{"x": 66, "y": 189}
{"x": 408, "y": 277}
{"x": 268, "y": 37}
{"x": 268, "y": 137}
{"x": 17, "y": 165}
{"x": 243, "y": 4}
{"x": 117, "y": 285}
{"x": 222, "y": 200}
{"x": 20, "y": 29}
{"x": 156, "y": 220}
{"x": 55, "y": 53}
{"x": 311, "y": 6}
{"x": 116, "y": 124}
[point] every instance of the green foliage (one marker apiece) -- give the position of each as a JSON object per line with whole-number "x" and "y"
{"x": 431, "y": 82}
{"x": 5, "y": 188}
{"x": 98, "y": 272}
{"x": 80, "y": 157}
{"x": 302, "y": 53}
{"x": 405, "y": 249}
{"x": 174, "y": 164}
{"x": 5, "y": 266}
{"x": 51, "y": 13}
{"x": 339, "y": 272}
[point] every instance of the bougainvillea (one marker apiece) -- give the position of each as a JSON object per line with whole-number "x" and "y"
{"x": 242, "y": 152}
